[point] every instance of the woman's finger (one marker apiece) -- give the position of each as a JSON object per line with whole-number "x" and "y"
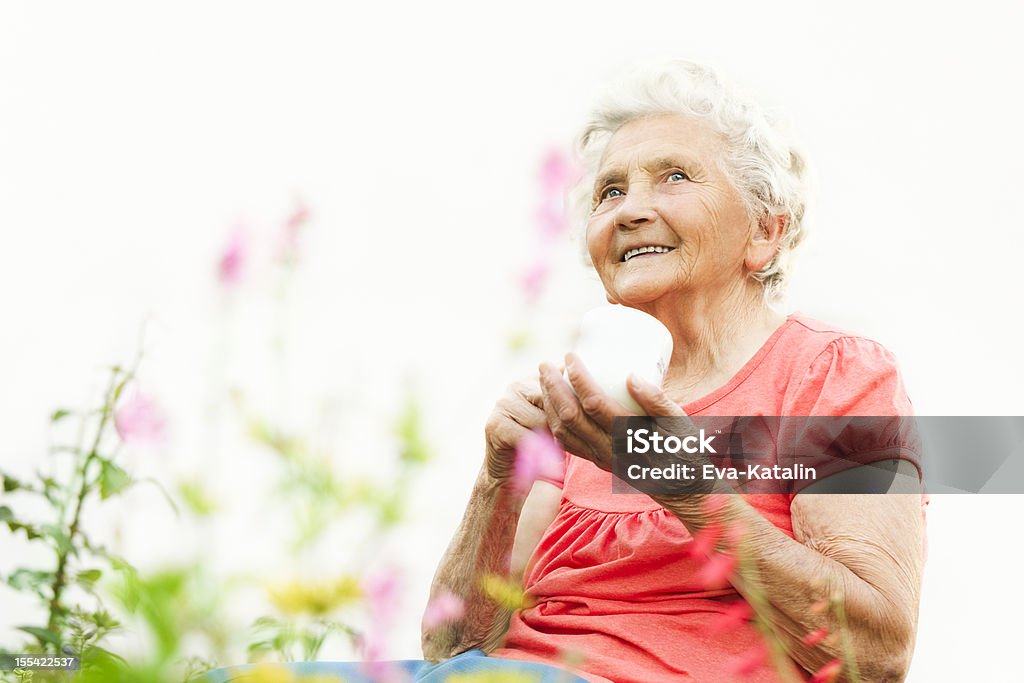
{"x": 567, "y": 420}
{"x": 529, "y": 389}
{"x": 652, "y": 399}
{"x": 595, "y": 402}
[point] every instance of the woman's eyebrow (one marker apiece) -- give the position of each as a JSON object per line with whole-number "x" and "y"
{"x": 618, "y": 175}
{"x": 663, "y": 162}
{"x": 610, "y": 177}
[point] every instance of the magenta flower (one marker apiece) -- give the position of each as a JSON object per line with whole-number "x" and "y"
{"x": 442, "y": 609}
{"x": 298, "y": 217}
{"x": 815, "y": 637}
{"x": 748, "y": 662}
{"x": 233, "y": 258}
{"x": 734, "y": 616}
{"x": 291, "y": 229}
{"x": 535, "y": 277}
{"x": 828, "y": 673}
{"x": 557, "y": 172}
{"x": 537, "y": 455}
{"x": 139, "y": 418}
{"x": 381, "y": 593}
{"x": 717, "y": 570}
{"x": 703, "y": 543}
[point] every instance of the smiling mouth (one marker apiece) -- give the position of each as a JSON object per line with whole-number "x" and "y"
{"x": 641, "y": 251}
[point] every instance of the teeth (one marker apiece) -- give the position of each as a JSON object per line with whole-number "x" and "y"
{"x": 645, "y": 250}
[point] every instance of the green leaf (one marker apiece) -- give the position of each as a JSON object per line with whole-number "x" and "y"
{"x": 88, "y": 577}
{"x": 409, "y": 429}
{"x": 42, "y": 635}
{"x": 31, "y": 533}
{"x": 11, "y": 484}
{"x": 196, "y": 498}
{"x": 6, "y": 513}
{"x": 59, "y": 537}
{"x": 59, "y": 415}
{"x": 25, "y": 579}
{"x": 113, "y": 479}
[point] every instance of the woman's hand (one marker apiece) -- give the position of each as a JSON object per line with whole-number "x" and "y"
{"x": 518, "y": 411}
{"x": 581, "y": 420}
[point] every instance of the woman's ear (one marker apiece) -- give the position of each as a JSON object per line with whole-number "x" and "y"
{"x": 764, "y": 242}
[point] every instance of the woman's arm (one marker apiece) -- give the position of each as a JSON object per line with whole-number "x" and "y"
{"x": 865, "y": 549}
{"x": 482, "y": 545}
{"x": 499, "y": 530}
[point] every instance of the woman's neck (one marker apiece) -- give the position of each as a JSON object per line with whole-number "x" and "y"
{"x": 713, "y": 335}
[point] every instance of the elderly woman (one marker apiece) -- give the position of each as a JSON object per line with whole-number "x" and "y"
{"x": 682, "y": 164}
{"x": 696, "y": 207}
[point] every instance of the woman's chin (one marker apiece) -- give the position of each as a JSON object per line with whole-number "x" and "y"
{"x": 639, "y": 295}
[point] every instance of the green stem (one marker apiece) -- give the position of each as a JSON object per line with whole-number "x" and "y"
{"x": 849, "y": 653}
{"x": 747, "y": 578}
{"x": 56, "y": 609}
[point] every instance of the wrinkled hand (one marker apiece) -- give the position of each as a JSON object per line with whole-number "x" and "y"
{"x": 519, "y": 410}
{"x": 581, "y": 420}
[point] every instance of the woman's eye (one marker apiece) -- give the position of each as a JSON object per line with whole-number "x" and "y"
{"x": 678, "y": 176}
{"x": 612, "y": 193}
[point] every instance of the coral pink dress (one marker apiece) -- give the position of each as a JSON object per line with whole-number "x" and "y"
{"x": 613, "y": 584}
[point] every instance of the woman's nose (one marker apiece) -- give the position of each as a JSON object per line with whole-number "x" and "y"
{"x": 636, "y": 209}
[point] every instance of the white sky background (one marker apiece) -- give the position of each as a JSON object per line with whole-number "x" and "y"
{"x": 132, "y": 139}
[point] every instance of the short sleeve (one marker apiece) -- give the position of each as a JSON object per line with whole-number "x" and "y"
{"x": 852, "y": 376}
{"x": 850, "y": 408}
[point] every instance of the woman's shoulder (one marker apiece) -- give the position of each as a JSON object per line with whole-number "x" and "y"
{"x": 837, "y": 371}
{"x": 808, "y": 339}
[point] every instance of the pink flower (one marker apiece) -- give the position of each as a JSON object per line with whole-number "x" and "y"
{"x": 703, "y": 543}
{"x": 748, "y": 662}
{"x": 537, "y": 455}
{"x": 298, "y": 217}
{"x": 139, "y": 418}
{"x": 534, "y": 278}
{"x": 233, "y": 258}
{"x": 556, "y": 171}
{"x": 828, "y": 673}
{"x": 731, "y": 618}
{"x": 717, "y": 570}
{"x": 292, "y": 227}
{"x": 381, "y": 593}
{"x": 444, "y": 608}
{"x": 815, "y": 637}
{"x": 551, "y": 222}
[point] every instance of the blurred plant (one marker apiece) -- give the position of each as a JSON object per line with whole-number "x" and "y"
{"x": 77, "y": 620}
{"x": 558, "y": 172}
{"x": 721, "y": 549}
{"x": 77, "y": 562}
{"x": 319, "y": 496}
{"x": 234, "y": 257}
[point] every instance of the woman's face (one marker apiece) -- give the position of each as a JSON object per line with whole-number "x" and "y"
{"x": 661, "y": 184}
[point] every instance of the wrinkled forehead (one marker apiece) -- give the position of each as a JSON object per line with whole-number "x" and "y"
{"x": 655, "y": 138}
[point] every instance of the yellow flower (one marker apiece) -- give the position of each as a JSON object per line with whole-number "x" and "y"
{"x": 266, "y": 673}
{"x": 504, "y": 591}
{"x": 494, "y": 677}
{"x": 317, "y": 598}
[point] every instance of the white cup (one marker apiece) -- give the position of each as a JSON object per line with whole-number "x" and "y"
{"x": 616, "y": 341}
